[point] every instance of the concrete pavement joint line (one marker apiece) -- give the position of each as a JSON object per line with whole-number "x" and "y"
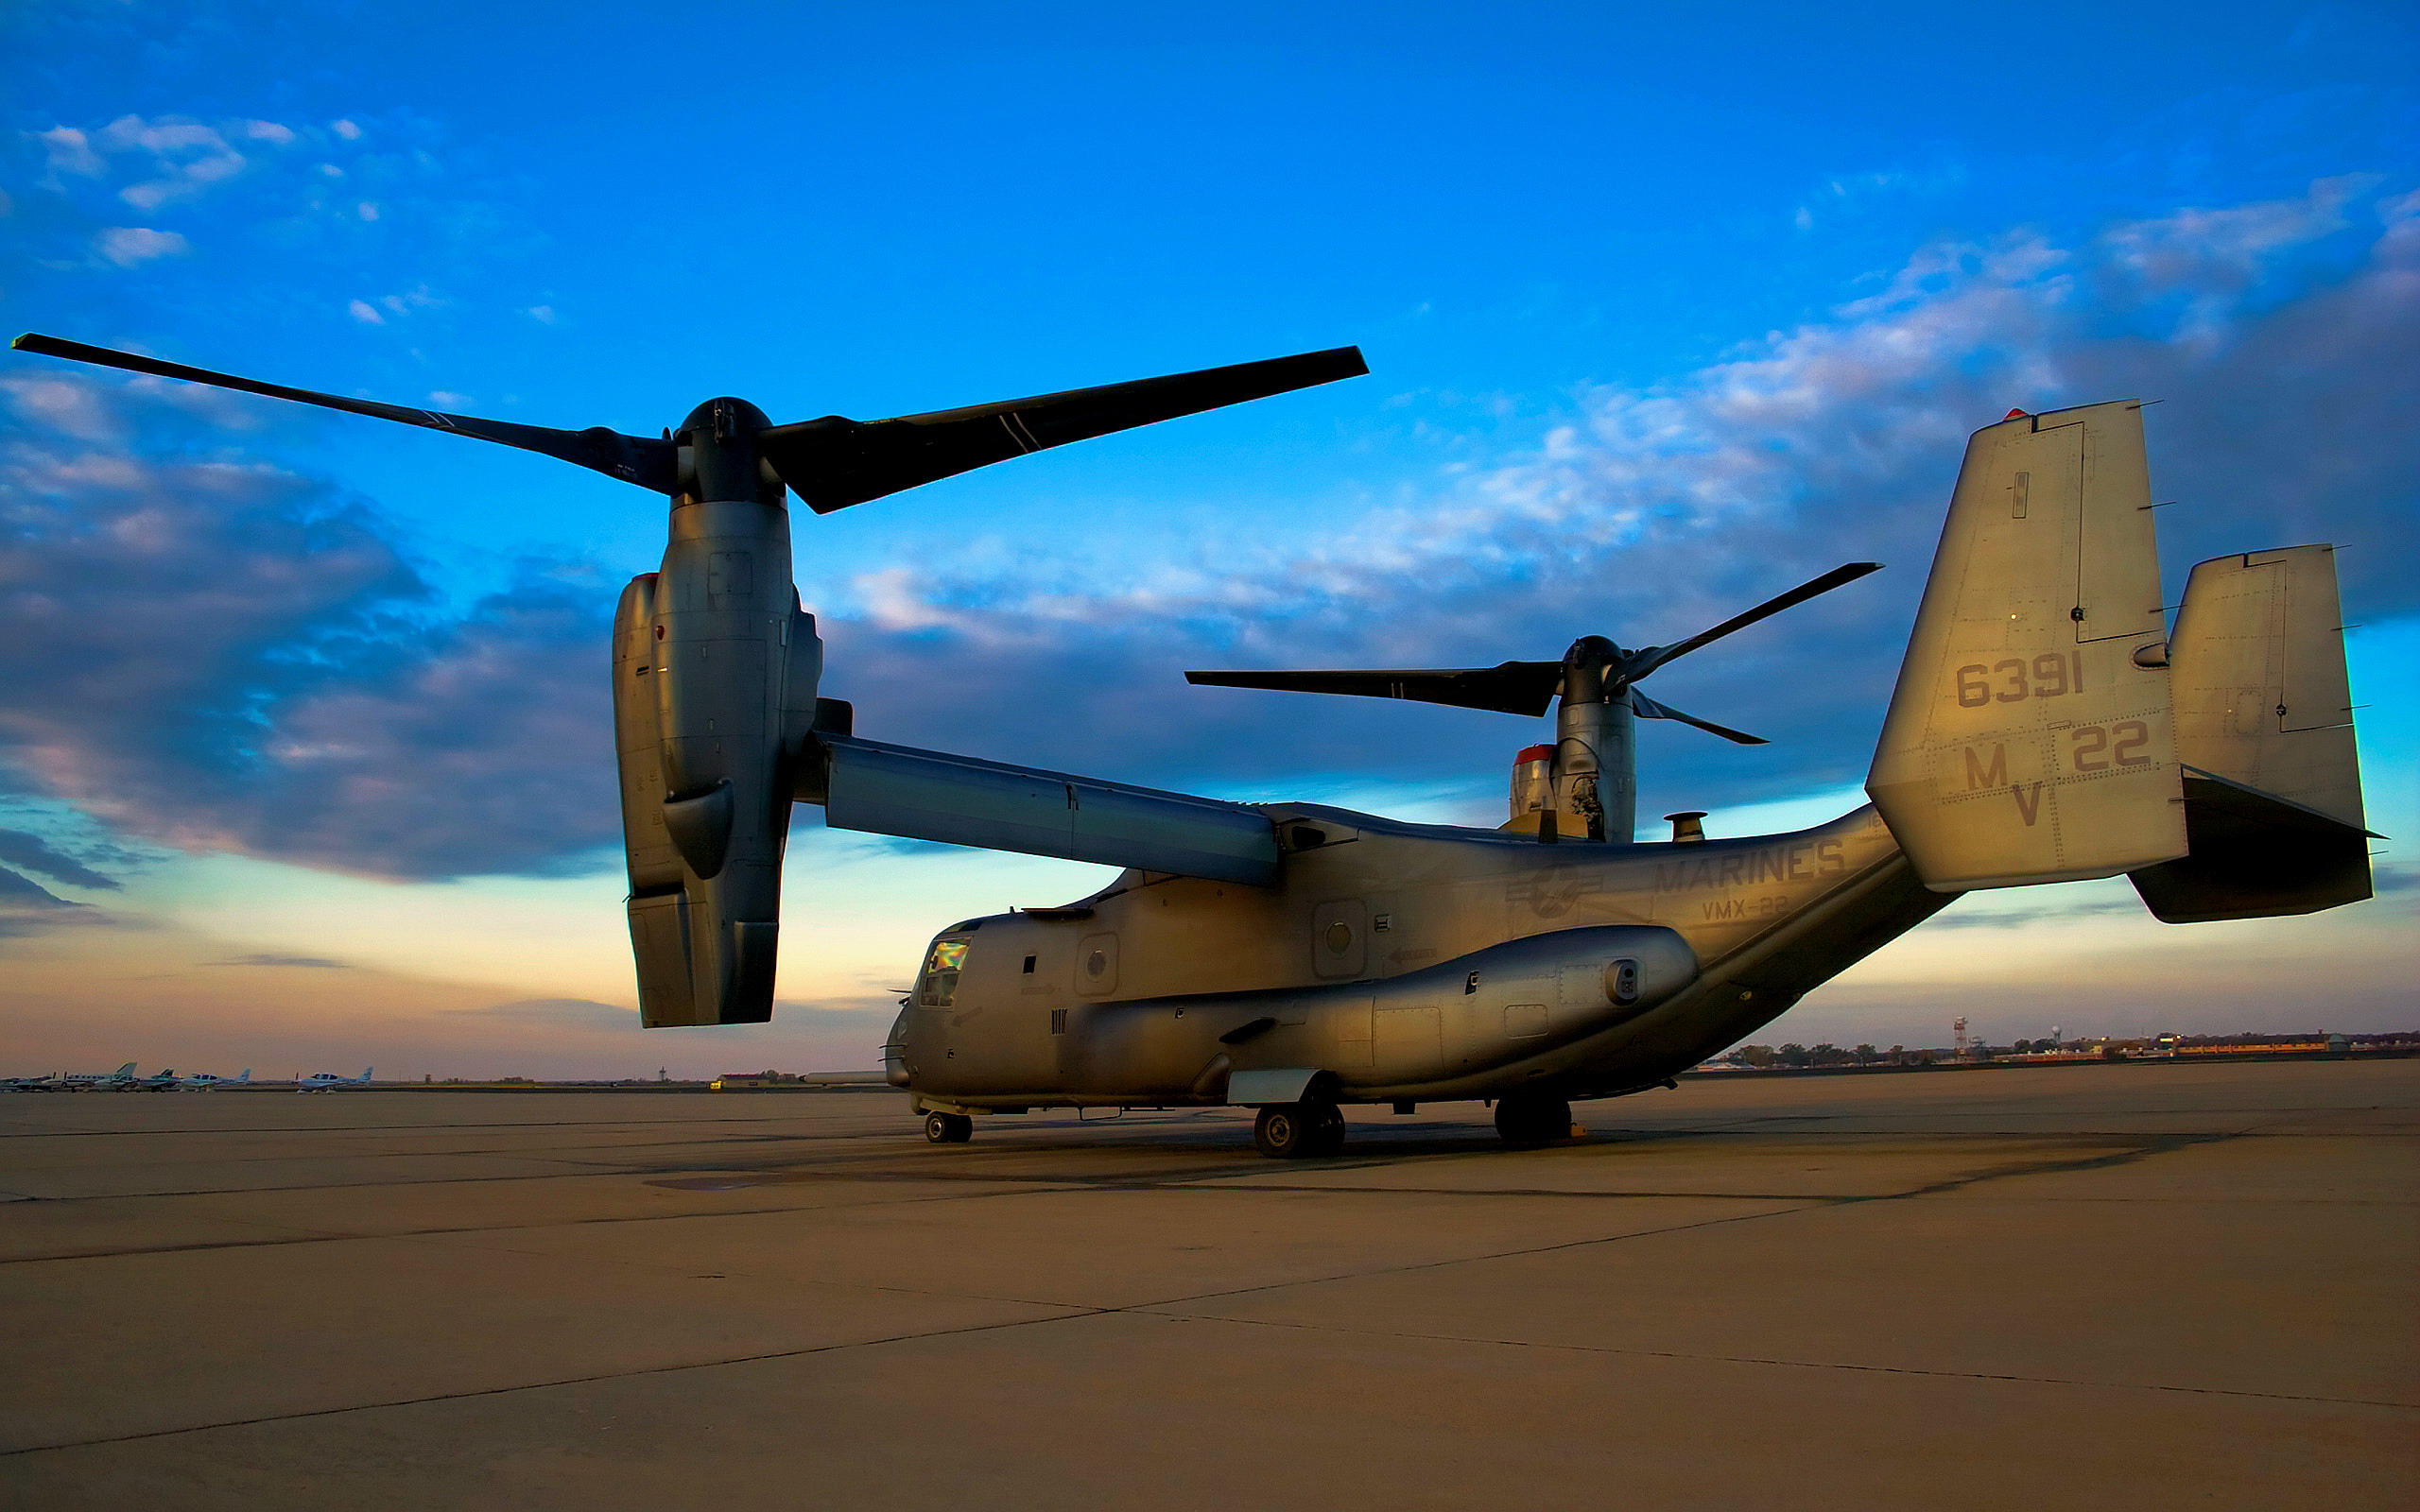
{"x": 1798, "y": 1205}
{"x": 2158, "y": 1145}
{"x": 1194, "y": 1309}
{"x": 1799, "y": 1365}
{"x": 601, "y": 1168}
{"x": 552, "y": 1154}
{"x": 331, "y": 1236}
{"x": 35, "y": 1133}
{"x": 1215, "y": 1182}
{"x": 381, "y": 1186}
{"x": 1066, "y": 1314}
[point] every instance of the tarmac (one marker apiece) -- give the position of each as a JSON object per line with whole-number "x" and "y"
{"x": 2094, "y": 1286}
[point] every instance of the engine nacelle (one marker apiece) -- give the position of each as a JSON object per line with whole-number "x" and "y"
{"x": 715, "y": 672}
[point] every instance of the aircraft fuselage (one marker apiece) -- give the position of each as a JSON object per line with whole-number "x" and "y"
{"x": 1400, "y": 962}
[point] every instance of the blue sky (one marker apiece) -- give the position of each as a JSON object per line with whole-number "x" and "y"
{"x": 1665, "y": 313}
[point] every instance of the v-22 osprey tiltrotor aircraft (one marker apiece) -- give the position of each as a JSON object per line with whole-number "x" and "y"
{"x": 2047, "y": 726}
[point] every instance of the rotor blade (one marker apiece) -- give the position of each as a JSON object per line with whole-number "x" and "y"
{"x": 649, "y": 463}
{"x": 834, "y": 462}
{"x": 1647, "y": 708}
{"x": 1508, "y": 688}
{"x": 1648, "y": 660}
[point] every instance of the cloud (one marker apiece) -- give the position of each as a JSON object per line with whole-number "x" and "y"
{"x": 561, "y": 1013}
{"x": 62, "y": 405}
{"x": 183, "y": 157}
{"x": 28, "y": 909}
{"x": 220, "y": 657}
{"x": 129, "y": 245}
{"x": 274, "y": 188}
{"x": 363, "y": 311}
{"x": 23, "y": 892}
{"x": 1956, "y": 917}
{"x": 36, "y": 854}
{"x": 69, "y": 150}
{"x": 313, "y": 961}
{"x": 2279, "y": 333}
{"x": 226, "y": 657}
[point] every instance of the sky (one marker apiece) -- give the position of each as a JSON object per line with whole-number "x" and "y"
{"x": 304, "y": 750}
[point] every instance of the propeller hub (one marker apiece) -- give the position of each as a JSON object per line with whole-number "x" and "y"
{"x": 718, "y": 457}
{"x": 1588, "y": 670}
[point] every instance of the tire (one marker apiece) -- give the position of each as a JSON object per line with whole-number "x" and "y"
{"x": 1282, "y": 1131}
{"x": 948, "y": 1128}
{"x": 1290, "y": 1132}
{"x": 1328, "y": 1135}
{"x": 1532, "y": 1119}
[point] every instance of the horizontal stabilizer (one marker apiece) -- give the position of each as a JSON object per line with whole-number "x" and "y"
{"x": 2255, "y": 856}
{"x": 924, "y": 794}
{"x": 834, "y": 462}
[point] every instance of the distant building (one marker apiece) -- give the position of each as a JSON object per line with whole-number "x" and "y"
{"x": 746, "y": 1080}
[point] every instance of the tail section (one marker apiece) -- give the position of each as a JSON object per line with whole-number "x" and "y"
{"x": 2264, "y": 729}
{"x": 2026, "y": 742}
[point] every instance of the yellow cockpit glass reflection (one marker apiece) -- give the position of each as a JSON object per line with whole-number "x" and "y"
{"x": 941, "y": 973}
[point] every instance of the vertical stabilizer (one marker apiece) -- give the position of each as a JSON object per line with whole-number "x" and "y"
{"x": 2261, "y": 693}
{"x": 2264, "y": 729}
{"x": 2025, "y": 744}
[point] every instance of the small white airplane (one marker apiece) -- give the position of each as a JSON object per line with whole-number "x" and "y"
{"x": 95, "y": 1080}
{"x": 47, "y": 1081}
{"x": 203, "y": 1081}
{"x": 328, "y": 1081}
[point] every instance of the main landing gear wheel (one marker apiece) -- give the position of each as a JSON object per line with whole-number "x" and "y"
{"x": 1289, "y": 1131}
{"x": 948, "y": 1128}
{"x": 1532, "y": 1119}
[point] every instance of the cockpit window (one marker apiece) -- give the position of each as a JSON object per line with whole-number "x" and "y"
{"x": 941, "y": 973}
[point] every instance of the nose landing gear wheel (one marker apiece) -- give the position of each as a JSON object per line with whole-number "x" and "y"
{"x": 1532, "y": 1119}
{"x": 1289, "y": 1131}
{"x": 948, "y": 1128}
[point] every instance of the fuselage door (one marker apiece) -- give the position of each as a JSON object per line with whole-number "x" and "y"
{"x": 1340, "y": 939}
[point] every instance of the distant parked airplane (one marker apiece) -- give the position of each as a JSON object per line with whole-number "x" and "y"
{"x": 328, "y": 1081}
{"x": 95, "y": 1080}
{"x": 47, "y": 1081}
{"x": 203, "y": 1081}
